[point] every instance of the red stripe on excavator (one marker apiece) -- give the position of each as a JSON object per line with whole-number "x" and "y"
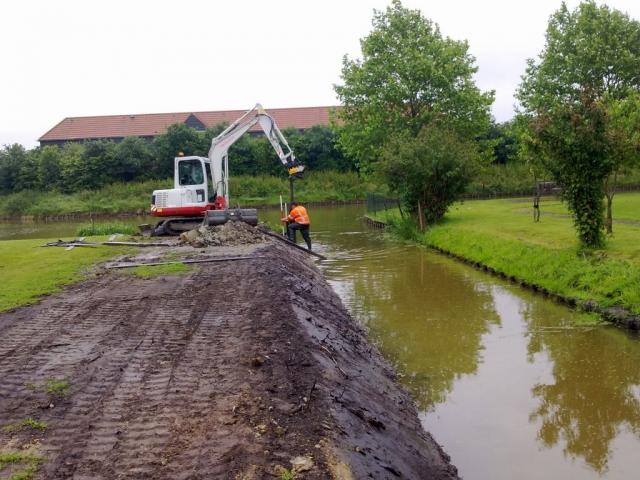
{"x": 182, "y": 211}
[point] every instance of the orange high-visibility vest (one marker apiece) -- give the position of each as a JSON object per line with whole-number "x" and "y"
{"x": 299, "y": 214}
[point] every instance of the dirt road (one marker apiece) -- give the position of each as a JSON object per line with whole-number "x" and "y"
{"x": 231, "y": 371}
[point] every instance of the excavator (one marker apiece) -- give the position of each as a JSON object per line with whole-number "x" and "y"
{"x": 201, "y": 185}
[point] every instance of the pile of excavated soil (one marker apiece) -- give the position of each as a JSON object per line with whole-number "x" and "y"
{"x": 227, "y": 234}
{"x": 247, "y": 369}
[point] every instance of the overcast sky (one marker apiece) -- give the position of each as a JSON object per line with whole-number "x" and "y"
{"x": 64, "y": 58}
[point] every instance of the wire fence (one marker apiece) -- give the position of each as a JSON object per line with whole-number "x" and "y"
{"x": 377, "y": 203}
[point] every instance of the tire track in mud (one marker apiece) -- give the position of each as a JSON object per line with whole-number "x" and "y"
{"x": 143, "y": 362}
{"x": 117, "y": 351}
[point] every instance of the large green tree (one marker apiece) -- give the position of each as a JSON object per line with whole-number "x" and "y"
{"x": 593, "y": 50}
{"x": 592, "y": 46}
{"x": 409, "y": 75}
{"x": 410, "y": 79}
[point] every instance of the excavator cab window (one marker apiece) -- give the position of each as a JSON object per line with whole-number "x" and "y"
{"x": 190, "y": 172}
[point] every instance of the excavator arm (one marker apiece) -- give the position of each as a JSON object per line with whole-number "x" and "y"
{"x": 218, "y": 153}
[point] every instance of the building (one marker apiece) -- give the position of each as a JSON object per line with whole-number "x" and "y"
{"x": 147, "y": 126}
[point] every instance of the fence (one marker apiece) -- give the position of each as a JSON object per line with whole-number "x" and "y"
{"x": 377, "y": 203}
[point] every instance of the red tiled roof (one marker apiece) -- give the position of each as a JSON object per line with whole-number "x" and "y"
{"x": 151, "y": 124}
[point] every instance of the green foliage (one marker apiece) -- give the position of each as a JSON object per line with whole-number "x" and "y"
{"x": 16, "y": 204}
{"x": 404, "y": 228}
{"x": 179, "y": 138}
{"x": 56, "y": 387}
{"x": 107, "y": 228}
{"x": 592, "y": 46}
{"x": 502, "y": 140}
{"x": 591, "y": 52}
{"x": 573, "y": 140}
{"x": 24, "y": 424}
{"x": 134, "y": 160}
{"x": 408, "y": 77}
{"x": 29, "y": 463}
{"x": 430, "y": 170}
{"x": 496, "y": 179}
{"x": 286, "y": 475}
{"x": 118, "y": 198}
{"x": 49, "y": 169}
{"x": 315, "y": 147}
{"x": 155, "y": 271}
{"x": 12, "y": 157}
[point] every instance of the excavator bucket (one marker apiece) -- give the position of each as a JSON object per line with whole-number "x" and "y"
{"x": 147, "y": 230}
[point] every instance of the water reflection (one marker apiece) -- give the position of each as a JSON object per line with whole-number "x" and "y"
{"x": 594, "y": 396}
{"x": 434, "y": 335}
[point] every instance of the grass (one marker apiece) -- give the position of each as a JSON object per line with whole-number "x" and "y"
{"x": 29, "y": 272}
{"x": 501, "y": 234}
{"x": 286, "y": 475}
{"x": 171, "y": 269}
{"x": 106, "y": 228}
{"x": 24, "y": 424}
{"x": 56, "y": 387}
{"x": 29, "y": 463}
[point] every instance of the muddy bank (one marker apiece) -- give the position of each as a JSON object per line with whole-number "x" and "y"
{"x": 236, "y": 370}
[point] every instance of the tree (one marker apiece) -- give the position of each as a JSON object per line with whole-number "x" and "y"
{"x": 592, "y": 49}
{"x": 12, "y": 158}
{"x": 624, "y": 143}
{"x": 573, "y": 142}
{"x": 179, "y": 138}
{"x": 320, "y": 152}
{"x": 409, "y": 75}
{"x": 134, "y": 160}
{"x": 502, "y": 137}
{"x": 429, "y": 171}
{"x": 49, "y": 173}
{"x": 591, "y": 46}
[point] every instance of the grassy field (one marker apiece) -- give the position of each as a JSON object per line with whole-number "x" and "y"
{"x": 29, "y": 272}
{"x": 502, "y": 235}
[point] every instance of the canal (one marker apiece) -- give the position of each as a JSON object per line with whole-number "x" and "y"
{"x": 502, "y": 377}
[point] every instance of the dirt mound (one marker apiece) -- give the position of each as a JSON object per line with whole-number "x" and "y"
{"x": 228, "y": 234}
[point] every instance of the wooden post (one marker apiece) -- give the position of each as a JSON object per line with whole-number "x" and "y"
{"x": 420, "y": 216}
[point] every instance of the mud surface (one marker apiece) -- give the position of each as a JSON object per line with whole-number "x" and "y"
{"x": 233, "y": 371}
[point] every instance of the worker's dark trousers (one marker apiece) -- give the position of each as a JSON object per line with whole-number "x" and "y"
{"x": 304, "y": 230}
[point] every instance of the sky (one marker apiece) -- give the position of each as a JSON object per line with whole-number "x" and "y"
{"x": 74, "y": 58}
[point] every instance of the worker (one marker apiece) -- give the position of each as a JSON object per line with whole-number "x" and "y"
{"x": 298, "y": 220}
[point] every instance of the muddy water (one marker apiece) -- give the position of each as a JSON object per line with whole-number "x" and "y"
{"x": 501, "y": 378}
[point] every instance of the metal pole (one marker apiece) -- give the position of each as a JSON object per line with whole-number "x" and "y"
{"x": 291, "y": 189}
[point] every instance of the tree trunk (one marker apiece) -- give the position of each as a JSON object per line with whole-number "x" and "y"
{"x": 420, "y": 216}
{"x": 609, "y": 193}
